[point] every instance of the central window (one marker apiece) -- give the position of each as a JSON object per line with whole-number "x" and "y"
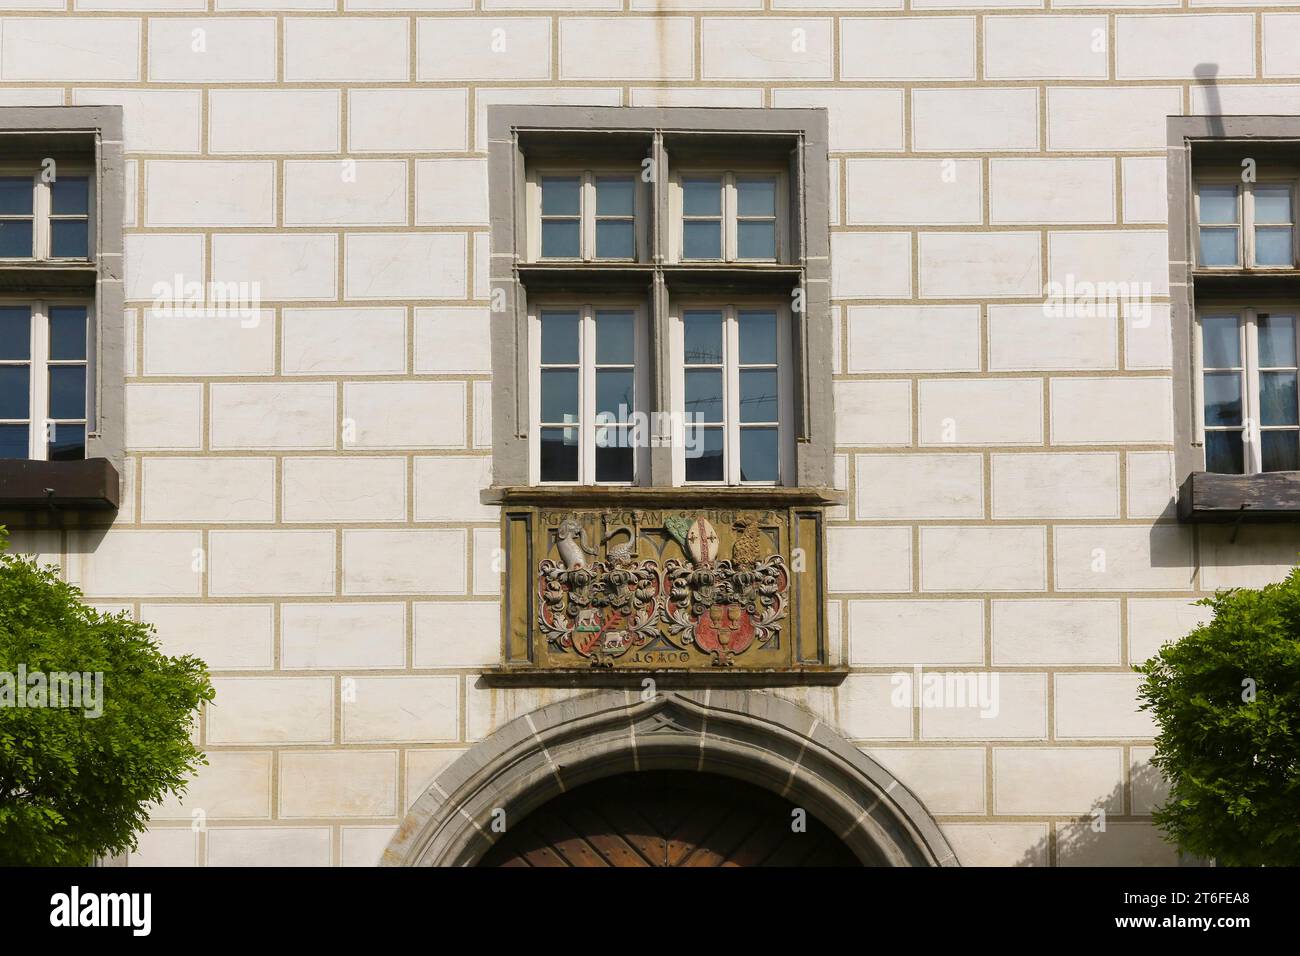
{"x": 43, "y": 374}
{"x": 1251, "y": 414}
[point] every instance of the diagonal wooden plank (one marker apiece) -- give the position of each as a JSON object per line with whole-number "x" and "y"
{"x": 570, "y": 844}
{"x": 734, "y": 829}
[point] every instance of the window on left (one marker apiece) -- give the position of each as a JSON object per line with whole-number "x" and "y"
{"x": 592, "y": 215}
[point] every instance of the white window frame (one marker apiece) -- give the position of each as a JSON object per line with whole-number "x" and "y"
{"x": 42, "y": 209}
{"x": 1245, "y": 222}
{"x": 587, "y": 212}
{"x": 730, "y": 309}
{"x": 730, "y": 212}
{"x": 1248, "y": 345}
{"x": 587, "y": 386}
{"x": 39, "y": 422}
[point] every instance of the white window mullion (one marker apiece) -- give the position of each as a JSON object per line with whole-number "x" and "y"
{"x": 587, "y": 396}
{"x": 587, "y": 210}
{"x": 1198, "y": 381}
{"x": 730, "y": 229}
{"x": 41, "y": 219}
{"x": 1248, "y": 227}
{"x": 731, "y": 393}
{"x": 1251, "y": 408}
{"x": 39, "y": 404}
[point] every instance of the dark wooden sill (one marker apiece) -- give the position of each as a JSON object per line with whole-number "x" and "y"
{"x": 691, "y": 496}
{"x": 1271, "y": 496}
{"x": 632, "y": 677}
{"x": 91, "y": 483}
{"x": 60, "y": 275}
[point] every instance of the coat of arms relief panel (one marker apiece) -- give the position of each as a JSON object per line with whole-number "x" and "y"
{"x": 664, "y": 589}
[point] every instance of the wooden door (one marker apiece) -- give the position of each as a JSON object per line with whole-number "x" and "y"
{"x": 667, "y": 819}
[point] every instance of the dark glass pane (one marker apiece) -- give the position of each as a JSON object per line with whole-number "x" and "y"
{"x": 702, "y": 196}
{"x": 559, "y": 338}
{"x": 67, "y": 391}
{"x": 614, "y": 455}
{"x": 1220, "y": 343}
{"x": 704, "y": 454}
{"x": 13, "y": 441}
{"x": 702, "y": 239}
{"x": 1273, "y": 204}
{"x": 758, "y": 338}
{"x": 704, "y": 395}
{"x": 69, "y": 239}
{"x": 1224, "y": 453}
{"x": 1277, "y": 398}
{"x": 702, "y": 338}
{"x": 756, "y": 239}
{"x": 15, "y": 238}
{"x": 759, "y": 456}
{"x": 559, "y": 454}
{"x": 67, "y": 442}
{"x": 1218, "y": 203}
{"x": 758, "y": 395}
{"x": 15, "y": 332}
{"x": 756, "y": 197}
{"x": 561, "y": 195}
{"x": 615, "y": 338}
{"x": 67, "y": 332}
{"x": 615, "y": 196}
{"x": 614, "y": 393}
{"x": 1276, "y": 340}
{"x": 1273, "y": 246}
{"x": 615, "y": 239}
{"x": 15, "y": 391}
{"x": 16, "y": 193}
{"x": 560, "y": 239}
{"x": 1223, "y": 398}
{"x": 1280, "y": 451}
{"x": 559, "y": 395}
{"x": 70, "y": 196}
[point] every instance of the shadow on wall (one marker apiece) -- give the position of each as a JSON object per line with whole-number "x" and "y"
{"x": 1207, "y": 74}
{"x": 1106, "y": 836}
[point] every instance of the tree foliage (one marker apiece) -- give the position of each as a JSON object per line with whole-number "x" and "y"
{"x": 1227, "y": 700}
{"x": 75, "y": 786}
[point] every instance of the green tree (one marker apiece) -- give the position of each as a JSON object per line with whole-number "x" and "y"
{"x": 1227, "y": 699}
{"x": 74, "y": 786}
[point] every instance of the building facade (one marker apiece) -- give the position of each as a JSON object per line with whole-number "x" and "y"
{"x": 948, "y": 345}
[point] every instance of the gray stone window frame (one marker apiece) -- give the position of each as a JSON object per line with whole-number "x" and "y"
{"x": 516, "y": 133}
{"x": 1193, "y": 140}
{"x": 92, "y": 135}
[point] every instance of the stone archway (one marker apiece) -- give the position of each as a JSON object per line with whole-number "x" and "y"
{"x": 746, "y": 735}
